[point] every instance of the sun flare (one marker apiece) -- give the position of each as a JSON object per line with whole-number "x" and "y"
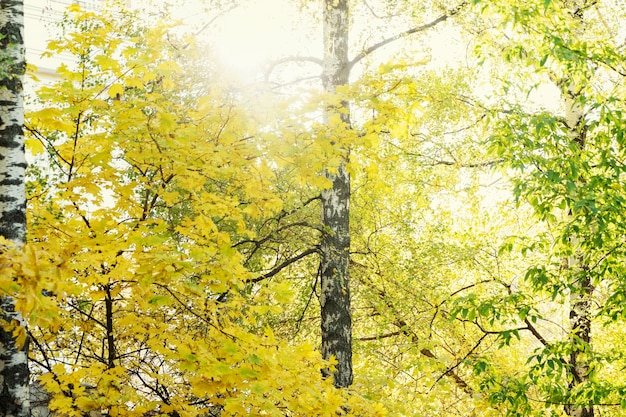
{"x": 255, "y": 33}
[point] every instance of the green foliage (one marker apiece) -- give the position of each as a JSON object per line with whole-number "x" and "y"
{"x": 562, "y": 159}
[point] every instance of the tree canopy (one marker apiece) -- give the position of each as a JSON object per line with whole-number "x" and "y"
{"x": 366, "y": 232}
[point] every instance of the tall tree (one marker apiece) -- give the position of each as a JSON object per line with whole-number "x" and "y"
{"x": 334, "y": 268}
{"x": 336, "y": 319}
{"x": 14, "y": 376}
{"x": 566, "y": 151}
{"x": 580, "y": 280}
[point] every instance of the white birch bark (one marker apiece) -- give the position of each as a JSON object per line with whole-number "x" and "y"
{"x": 14, "y": 376}
{"x": 336, "y": 320}
{"x": 581, "y": 288}
{"x": 580, "y": 309}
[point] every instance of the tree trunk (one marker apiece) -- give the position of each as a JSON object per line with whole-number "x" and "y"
{"x": 335, "y": 248}
{"x": 580, "y": 339}
{"x": 581, "y": 288}
{"x": 14, "y": 394}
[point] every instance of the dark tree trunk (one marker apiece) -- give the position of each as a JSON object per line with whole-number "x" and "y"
{"x": 334, "y": 268}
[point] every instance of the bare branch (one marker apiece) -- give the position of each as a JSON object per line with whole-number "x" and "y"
{"x": 406, "y": 33}
{"x": 308, "y": 303}
{"x": 535, "y": 333}
{"x": 470, "y": 165}
{"x": 284, "y": 213}
{"x": 378, "y": 337}
{"x": 232, "y": 7}
{"x": 273, "y": 233}
{"x": 376, "y": 15}
{"x": 257, "y": 243}
{"x": 291, "y": 59}
{"x": 451, "y": 369}
{"x": 431, "y": 161}
{"x": 283, "y": 265}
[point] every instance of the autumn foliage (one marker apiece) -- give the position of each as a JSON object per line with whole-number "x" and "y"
{"x": 175, "y": 243}
{"x": 141, "y": 192}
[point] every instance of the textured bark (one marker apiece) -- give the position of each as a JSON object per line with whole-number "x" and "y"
{"x": 14, "y": 398}
{"x": 580, "y": 282}
{"x": 580, "y": 339}
{"x": 335, "y": 248}
{"x": 581, "y": 288}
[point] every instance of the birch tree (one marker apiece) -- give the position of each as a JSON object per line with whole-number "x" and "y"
{"x": 563, "y": 140}
{"x": 336, "y": 319}
{"x": 334, "y": 270}
{"x": 580, "y": 279}
{"x": 13, "y": 348}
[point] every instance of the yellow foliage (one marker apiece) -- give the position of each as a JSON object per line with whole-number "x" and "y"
{"x": 134, "y": 276}
{"x": 116, "y": 90}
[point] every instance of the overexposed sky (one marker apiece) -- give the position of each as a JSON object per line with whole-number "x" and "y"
{"x": 258, "y": 31}
{"x": 244, "y": 38}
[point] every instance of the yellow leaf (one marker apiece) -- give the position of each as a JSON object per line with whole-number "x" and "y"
{"x": 169, "y": 66}
{"x": 61, "y": 403}
{"x": 149, "y": 76}
{"x": 86, "y": 404}
{"x": 74, "y": 8}
{"x": 34, "y": 146}
{"x": 115, "y": 90}
{"x": 134, "y": 82}
{"x": 167, "y": 121}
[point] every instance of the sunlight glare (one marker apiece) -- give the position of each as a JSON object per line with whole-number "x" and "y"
{"x": 256, "y": 32}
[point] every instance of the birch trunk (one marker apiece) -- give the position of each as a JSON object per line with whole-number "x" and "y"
{"x": 580, "y": 311}
{"x": 334, "y": 269}
{"x": 14, "y": 376}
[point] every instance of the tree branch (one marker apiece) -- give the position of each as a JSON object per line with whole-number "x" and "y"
{"x": 470, "y": 165}
{"x": 308, "y": 302}
{"x": 406, "y": 33}
{"x": 259, "y": 242}
{"x": 283, "y": 265}
{"x": 378, "y": 337}
{"x": 305, "y": 203}
{"x": 451, "y": 369}
{"x": 405, "y": 329}
{"x": 535, "y": 333}
{"x": 301, "y": 59}
{"x": 186, "y": 307}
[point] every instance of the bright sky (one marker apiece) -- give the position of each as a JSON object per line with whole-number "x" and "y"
{"x": 261, "y": 30}
{"x": 257, "y": 31}
{"x": 244, "y": 38}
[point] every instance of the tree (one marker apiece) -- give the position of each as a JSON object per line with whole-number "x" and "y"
{"x": 389, "y": 150}
{"x": 14, "y": 375}
{"x": 143, "y": 212}
{"x": 336, "y": 317}
{"x": 564, "y": 157}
